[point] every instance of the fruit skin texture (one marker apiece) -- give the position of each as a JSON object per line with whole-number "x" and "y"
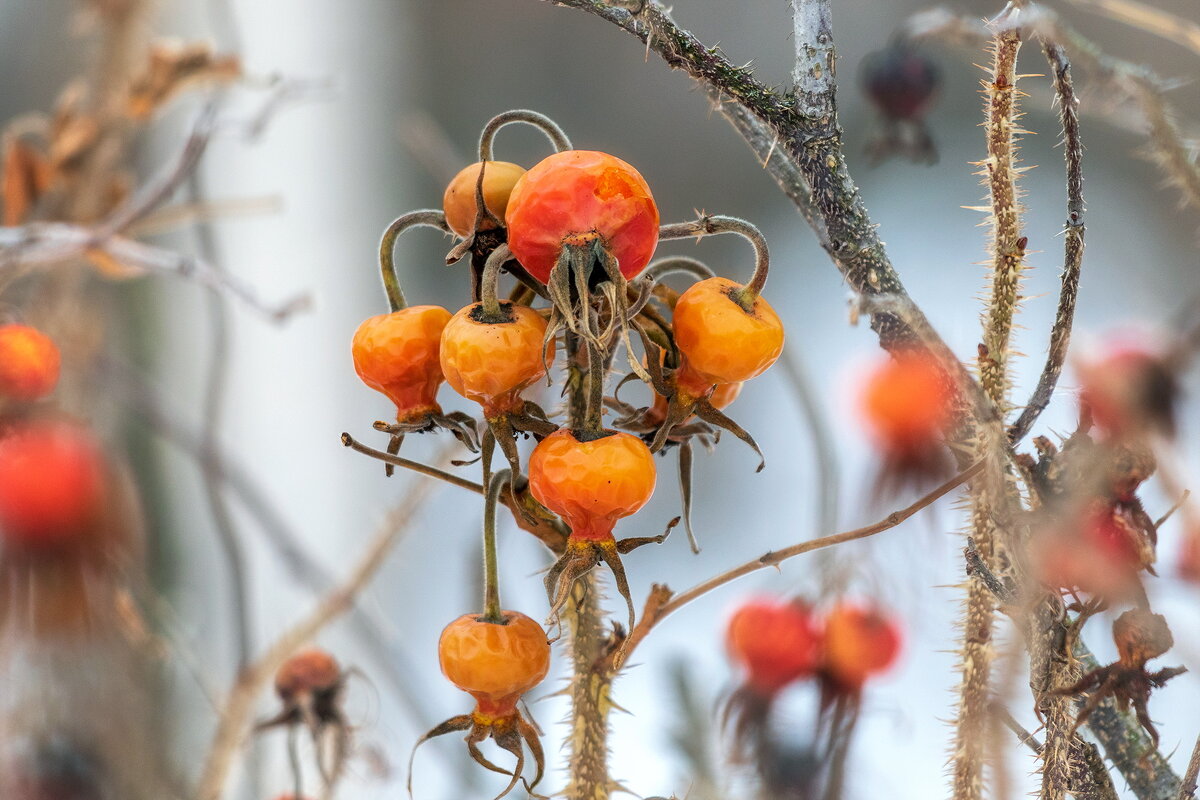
{"x": 495, "y": 664}
{"x": 52, "y": 484}
{"x": 575, "y": 193}
{"x": 29, "y": 363}
{"x": 775, "y": 642}
{"x": 397, "y": 354}
{"x": 459, "y": 200}
{"x": 493, "y": 363}
{"x": 908, "y": 404}
{"x": 719, "y": 340}
{"x": 592, "y": 484}
{"x": 859, "y": 642}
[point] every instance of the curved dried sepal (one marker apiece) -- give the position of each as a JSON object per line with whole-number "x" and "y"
{"x": 393, "y": 448}
{"x": 576, "y": 561}
{"x": 505, "y": 437}
{"x": 455, "y": 724}
{"x": 705, "y": 411}
{"x": 531, "y": 735}
{"x": 654, "y": 361}
{"x": 559, "y": 287}
{"x": 478, "y": 734}
{"x": 461, "y": 426}
{"x": 507, "y": 738}
{"x": 685, "y": 492}
{"x": 532, "y": 419}
{"x": 677, "y": 412}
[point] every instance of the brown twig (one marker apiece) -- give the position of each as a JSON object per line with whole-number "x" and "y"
{"x": 415, "y": 466}
{"x": 663, "y": 602}
{"x": 1187, "y": 790}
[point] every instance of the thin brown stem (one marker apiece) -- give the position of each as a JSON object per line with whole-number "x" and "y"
{"x": 492, "y": 610}
{"x": 427, "y": 218}
{"x": 1188, "y": 790}
{"x": 709, "y": 225}
{"x": 523, "y": 115}
{"x": 415, "y": 466}
{"x": 663, "y": 602}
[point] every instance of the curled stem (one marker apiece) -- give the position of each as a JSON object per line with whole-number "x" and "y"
{"x": 490, "y": 280}
{"x": 491, "y": 571}
{"x": 540, "y": 121}
{"x": 666, "y": 266}
{"x": 707, "y": 225}
{"x": 429, "y": 218}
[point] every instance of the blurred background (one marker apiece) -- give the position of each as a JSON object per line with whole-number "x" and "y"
{"x": 410, "y": 85}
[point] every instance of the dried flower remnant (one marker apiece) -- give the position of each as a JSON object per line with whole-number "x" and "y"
{"x": 1140, "y": 636}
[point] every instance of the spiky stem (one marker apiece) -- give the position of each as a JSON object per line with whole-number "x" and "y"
{"x": 989, "y": 494}
{"x": 590, "y": 701}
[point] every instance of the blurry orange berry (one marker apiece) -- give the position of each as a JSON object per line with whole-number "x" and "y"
{"x": 29, "y": 363}
{"x": 775, "y": 642}
{"x": 459, "y": 200}
{"x": 592, "y": 483}
{"x": 307, "y": 672}
{"x": 494, "y": 663}
{"x": 581, "y": 193}
{"x": 1189, "y": 556}
{"x": 859, "y": 642}
{"x": 908, "y": 403}
{"x": 51, "y": 483}
{"x": 720, "y": 341}
{"x": 397, "y": 354}
{"x": 492, "y": 363}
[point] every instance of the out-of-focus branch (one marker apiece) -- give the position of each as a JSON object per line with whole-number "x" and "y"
{"x": 234, "y": 724}
{"x": 1162, "y": 23}
{"x": 1120, "y": 80}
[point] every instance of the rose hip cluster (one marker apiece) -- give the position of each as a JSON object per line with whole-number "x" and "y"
{"x": 577, "y": 232}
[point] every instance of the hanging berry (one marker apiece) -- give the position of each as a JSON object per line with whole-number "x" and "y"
{"x": 1128, "y": 389}
{"x": 591, "y": 480}
{"x": 459, "y": 201}
{"x": 496, "y": 657}
{"x": 775, "y": 642}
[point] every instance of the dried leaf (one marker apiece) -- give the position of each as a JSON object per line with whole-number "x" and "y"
{"x": 174, "y": 65}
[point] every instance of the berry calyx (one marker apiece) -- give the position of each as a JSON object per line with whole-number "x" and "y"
{"x": 397, "y": 354}
{"x": 722, "y": 341}
{"x": 591, "y": 482}
{"x": 775, "y": 642}
{"x": 52, "y": 484}
{"x": 860, "y": 642}
{"x": 29, "y": 363}
{"x": 458, "y": 202}
{"x": 491, "y": 363}
{"x": 577, "y": 196}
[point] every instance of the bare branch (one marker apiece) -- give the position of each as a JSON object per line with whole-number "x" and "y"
{"x": 1073, "y": 231}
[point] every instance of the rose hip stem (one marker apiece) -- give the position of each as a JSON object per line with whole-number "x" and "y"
{"x": 708, "y": 225}
{"x": 492, "y": 312}
{"x": 522, "y": 115}
{"x": 492, "y": 610}
{"x": 427, "y": 218}
{"x": 540, "y": 121}
{"x": 666, "y": 266}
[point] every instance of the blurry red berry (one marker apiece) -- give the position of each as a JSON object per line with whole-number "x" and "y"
{"x": 51, "y": 483}
{"x": 310, "y": 671}
{"x": 1127, "y": 389}
{"x": 29, "y": 363}
{"x": 776, "y": 643}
